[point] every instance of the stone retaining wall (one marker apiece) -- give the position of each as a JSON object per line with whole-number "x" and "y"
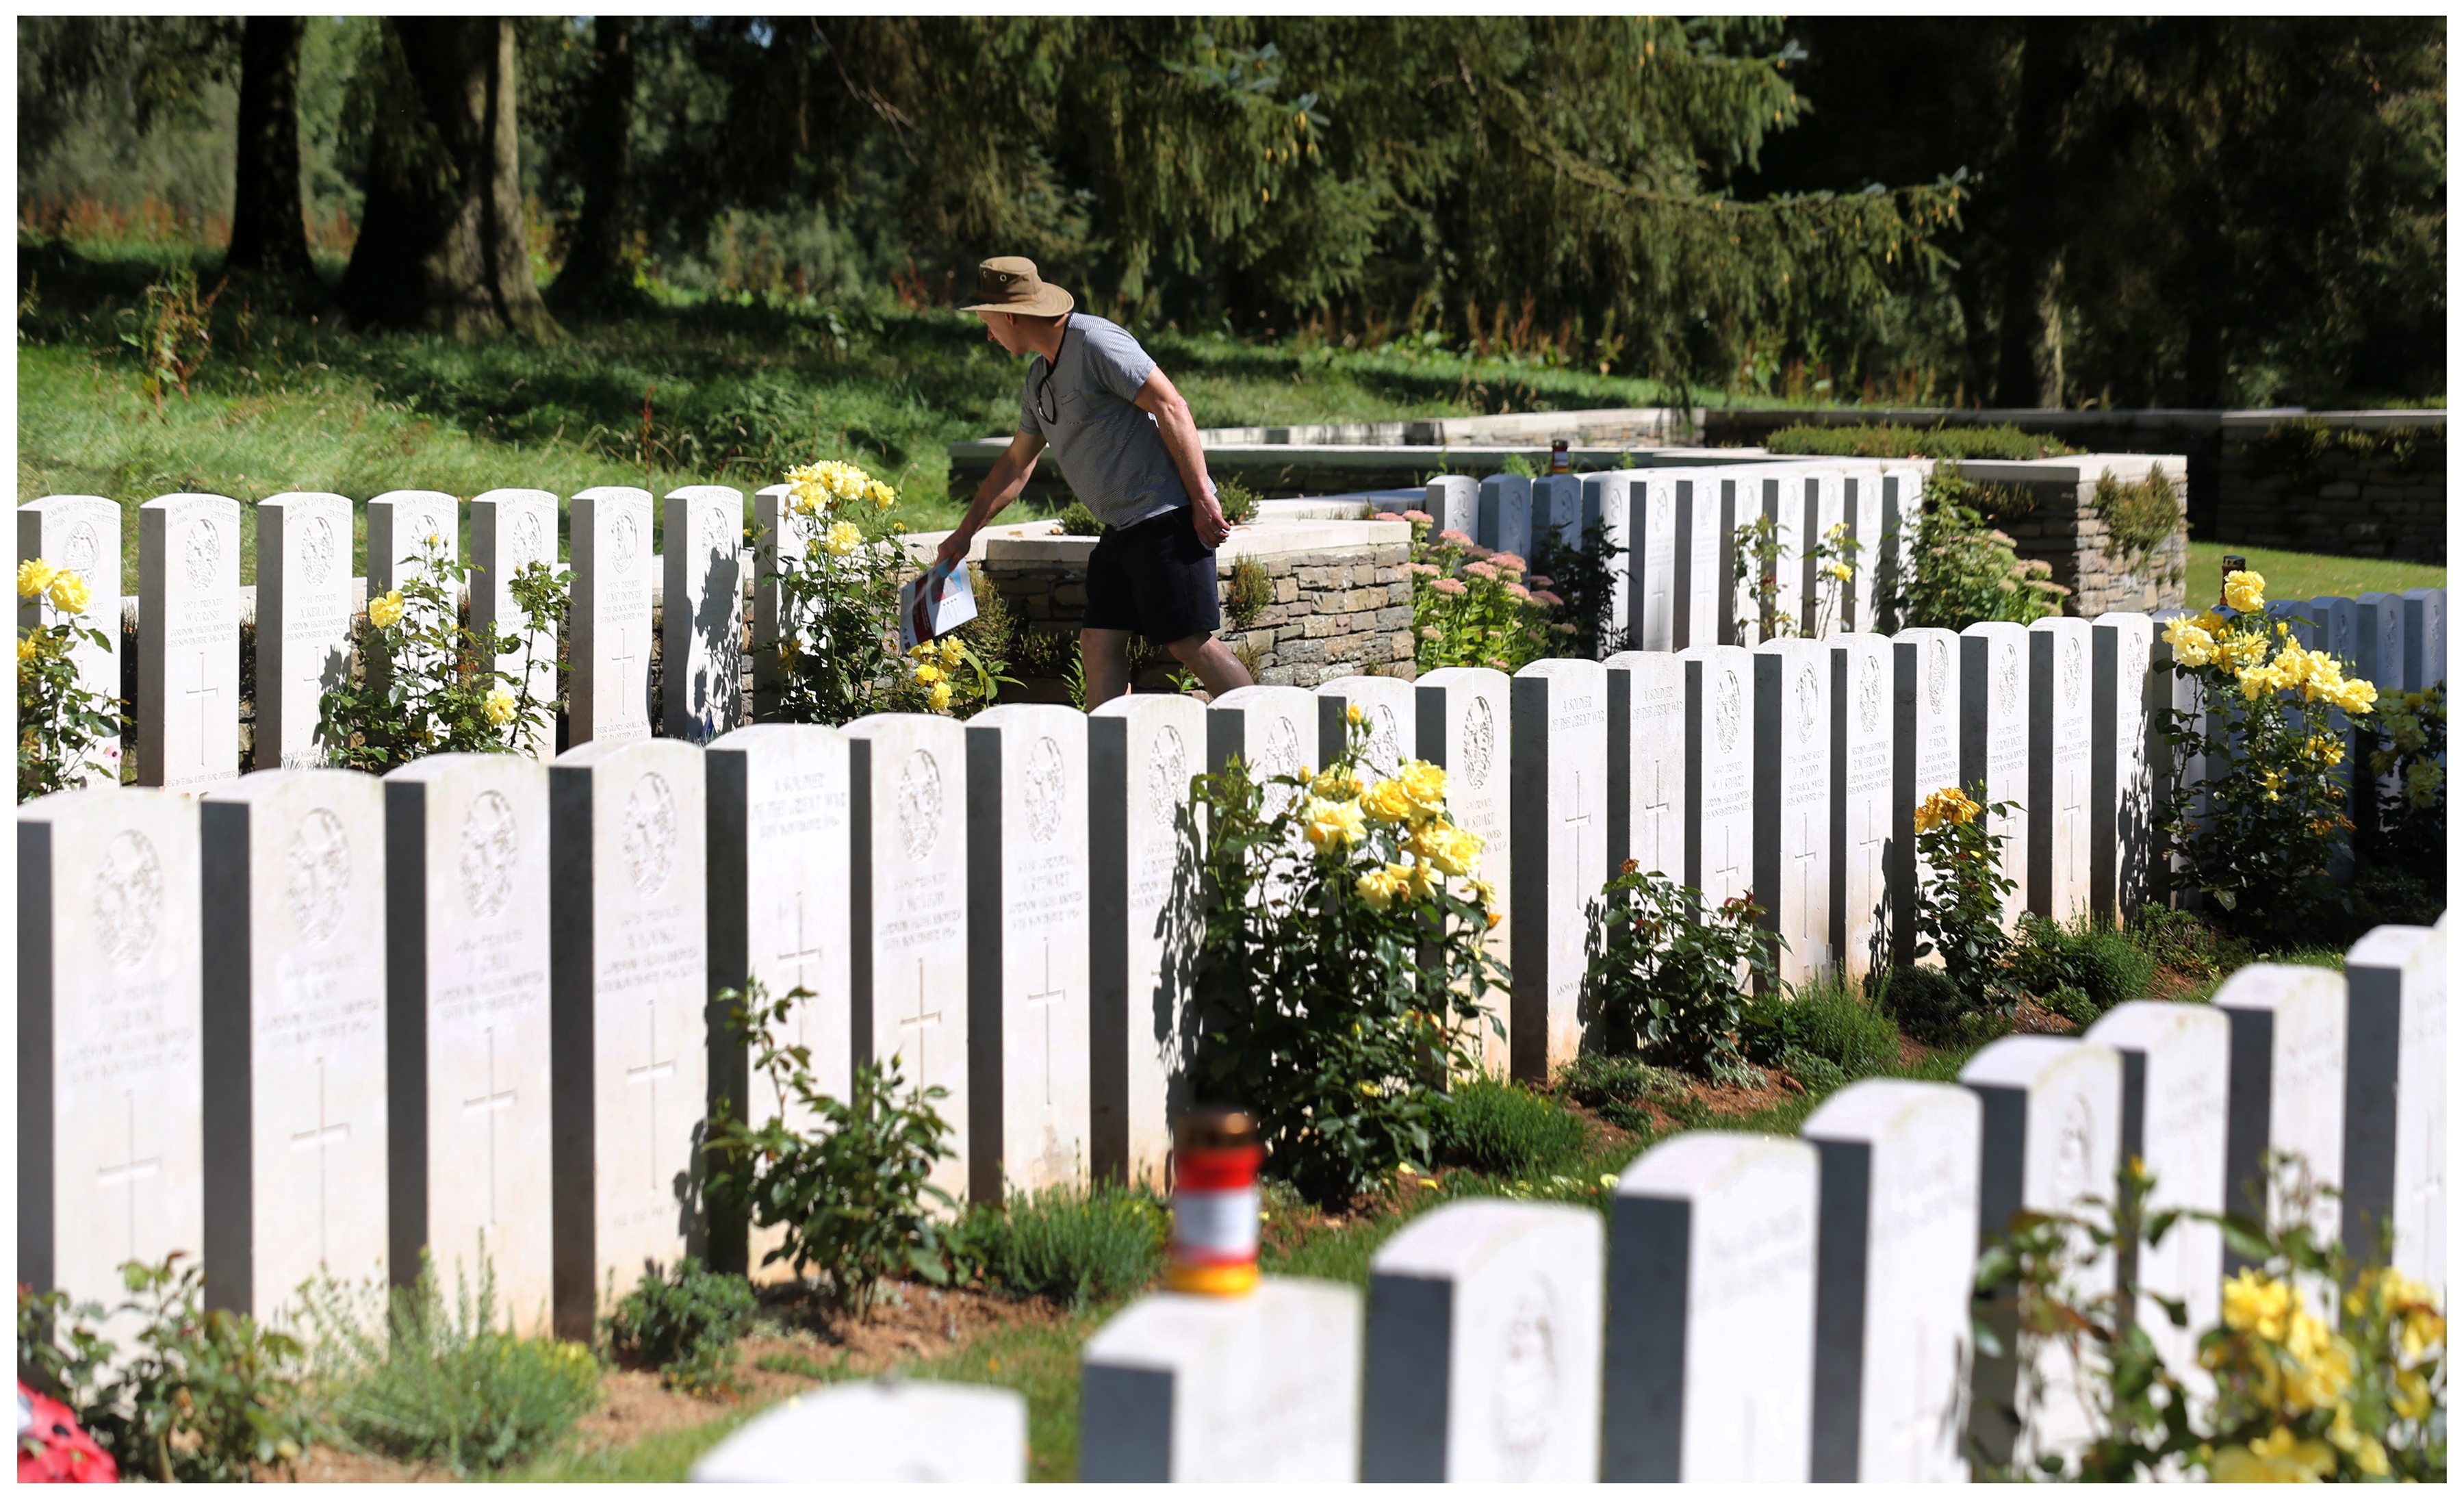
{"x": 2065, "y": 531}
{"x": 1340, "y": 603}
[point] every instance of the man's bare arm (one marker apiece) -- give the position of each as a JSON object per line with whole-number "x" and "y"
{"x": 1009, "y": 474}
{"x": 1179, "y": 432}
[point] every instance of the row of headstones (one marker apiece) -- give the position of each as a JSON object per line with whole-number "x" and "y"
{"x": 1673, "y": 584}
{"x": 187, "y": 563}
{"x": 1755, "y": 1308}
{"x": 1008, "y": 904}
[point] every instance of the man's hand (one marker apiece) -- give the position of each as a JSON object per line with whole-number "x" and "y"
{"x": 1213, "y": 529}
{"x": 1009, "y": 474}
{"x": 955, "y": 546}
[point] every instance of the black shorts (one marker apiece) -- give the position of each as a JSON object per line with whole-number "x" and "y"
{"x": 1154, "y": 578}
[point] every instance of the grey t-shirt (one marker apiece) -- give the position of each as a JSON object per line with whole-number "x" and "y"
{"x": 1108, "y": 448}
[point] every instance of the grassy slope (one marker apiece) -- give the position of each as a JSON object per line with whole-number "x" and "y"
{"x": 2294, "y": 574}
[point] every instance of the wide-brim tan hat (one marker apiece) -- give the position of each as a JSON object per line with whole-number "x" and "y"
{"x": 1008, "y": 283}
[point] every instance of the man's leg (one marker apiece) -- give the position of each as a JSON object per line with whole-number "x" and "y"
{"x": 1105, "y": 656}
{"x": 1218, "y": 669}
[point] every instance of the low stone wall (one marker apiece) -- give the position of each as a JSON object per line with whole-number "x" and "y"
{"x": 2066, "y": 531}
{"x": 1339, "y": 600}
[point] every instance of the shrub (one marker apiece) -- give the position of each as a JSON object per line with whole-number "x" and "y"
{"x": 2138, "y": 516}
{"x": 1759, "y": 559}
{"x": 427, "y": 1384}
{"x": 1249, "y": 591}
{"x": 1237, "y": 499}
{"x": 1960, "y": 895}
{"x": 1504, "y": 1129}
{"x": 2262, "y": 832}
{"x": 1829, "y": 1024}
{"x": 2404, "y": 830}
{"x": 1471, "y": 606}
{"x": 1888, "y": 439}
{"x": 851, "y": 1195}
{"x": 1665, "y": 979}
{"x": 2179, "y": 939}
{"x": 1963, "y": 571}
{"x": 685, "y": 1324}
{"x": 1077, "y": 520}
{"x": 1613, "y": 1086}
{"x": 2098, "y": 964}
{"x": 198, "y": 1396}
{"x": 838, "y": 569}
{"x": 1584, "y": 574}
{"x": 64, "y": 730}
{"x": 424, "y": 683}
{"x": 1340, "y": 976}
{"x": 1072, "y": 1243}
{"x": 1930, "y": 1006}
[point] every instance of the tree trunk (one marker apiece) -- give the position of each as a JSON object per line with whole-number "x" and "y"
{"x": 267, "y": 231}
{"x": 600, "y": 262}
{"x": 2050, "y": 78}
{"x": 444, "y": 244}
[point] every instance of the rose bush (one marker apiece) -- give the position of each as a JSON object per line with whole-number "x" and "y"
{"x": 1474, "y": 606}
{"x": 66, "y": 733}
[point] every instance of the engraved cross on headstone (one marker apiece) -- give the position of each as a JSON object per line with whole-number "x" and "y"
{"x": 623, "y": 656}
{"x": 129, "y": 1172}
{"x": 1047, "y": 1002}
{"x": 321, "y": 1139}
{"x": 1657, "y": 819}
{"x": 918, "y": 1024}
{"x": 487, "y": 1104}
{"x": 1579, "y": 819}
{"x": 1813, "y": 910}
{"x": 205, "y": 694}
{"x": 649, "y": 1073}
{"x": 804, "y": 953}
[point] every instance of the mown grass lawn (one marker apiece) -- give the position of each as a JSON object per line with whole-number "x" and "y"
{"x": 2293, "y": 575}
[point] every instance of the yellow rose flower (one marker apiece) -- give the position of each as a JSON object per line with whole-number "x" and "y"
{"x": 2411, "y": 1398}
{"x": 26, "y": 649}
{"x": 2405, "y": 729}
{"x": 2422, "y": 782}
{"x": 1424, "y": 783}
{"x": 1948, "y": 806}
{"x": 1352, "y": 713}
{"x": 940, "y": 697}
{"x": 2192, "y": 646}
{"x": 883, "y": 494}
{"x": 386, "y": 612}
{"x": 2282, "y": 1457}
{"x": 2257, "y": 1304}
{"x": 1332, "y": 826}
{"x": 929, "y": 673}
{"x": 842, "y": 539}
{"x": 2240, "y": 649}
{"x": 2356, "y": 696}
{"x": 1387, "y": 802}
{"x": 1335, "y": 783}
{"x": 1423, "y": 882}
{"x": 70, "y": 593}
{"x": 2210, "y": 619}
{"x": 499, "y": 707}
{"x": 33, "y": 576}
{"x": 951, "y": 650}
{"x": 1839, "y": 571}
{"x": 1380, "y": 887}
{"x": 1455, "y": 854}
{"x": 2245, "y": 593}
{"x": 2325, "y": 748}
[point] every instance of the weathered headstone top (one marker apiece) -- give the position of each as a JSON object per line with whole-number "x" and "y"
{"x": 882, "y": 1431}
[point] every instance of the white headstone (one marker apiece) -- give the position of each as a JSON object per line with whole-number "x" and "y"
{"x": 2178, "y": 773}
{"x": 81, "y": 533}
{"x": 609, "y": 617}
{"x": 907, "y": 794}
{"x": 1994, "y": 737}
{"x": 1263, "y": 1387}
{"x": 2425, "y": 638}
{"x": 110, "y": 1057}
{"x": 296, "y": 1120}
{"x": 1026, "y": 899}
{"x": 1386, "y": 707}
{"x": 1505, "y": 514}
{"x": 1637, "y": 512}
{"x": 2289, "y": 1029}
{"x": 1561, "y": 857}
{"x": 1903, "y": 489}
{"x": 2061, "y": 753}
{"x": 1484, "y": 1354}
{"x": 510, "y": 529}
{"x": 467, "y": 950}
{"x": 2053, "y": 1129}
{"x": 702, "y": 674}
{"x": 779, "y": 534}
{"x": 1143, "y": 925}
{"x": 778, "y": 883}
{"x": 1703, "y": 610}
{"x": 303, "y": 621}
{"x": 890, "y": 1431}
{"x": 629, "y": 993}
{"x": 187, "y": 653}
{"x": 1861, "y": 749}
{"x": 2396, "y": 1109}
{"x": 1647, "y": 761}
{"x": 2174, "y": 1062}
{"x": 1925, "y": 757}
{"x": 2128, "y": 697}
{"x": 1465, "y": 725}
{"x": 1719, "y": 771}
{"x": 1776, "y": 492}
{"x": 400, "y": 524}
{"x": 1826, "y": 597}
{"x": 1453, "y": 501}
{"x": 1791, "y": 767}
{"x": 2378, "y": 634}
{"x": 1273, "y": 730}
{"x": 1710, "y": 1366}
{"x": 1894, "y": 1262}
{"x": 1557, "y": 509}
{"x": 1861, "y": 507}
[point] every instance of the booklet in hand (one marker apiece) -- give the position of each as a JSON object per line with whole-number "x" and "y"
{"x": 933, "y": 604}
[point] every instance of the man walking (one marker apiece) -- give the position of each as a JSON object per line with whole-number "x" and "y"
{"x": 1130, "y": 450}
